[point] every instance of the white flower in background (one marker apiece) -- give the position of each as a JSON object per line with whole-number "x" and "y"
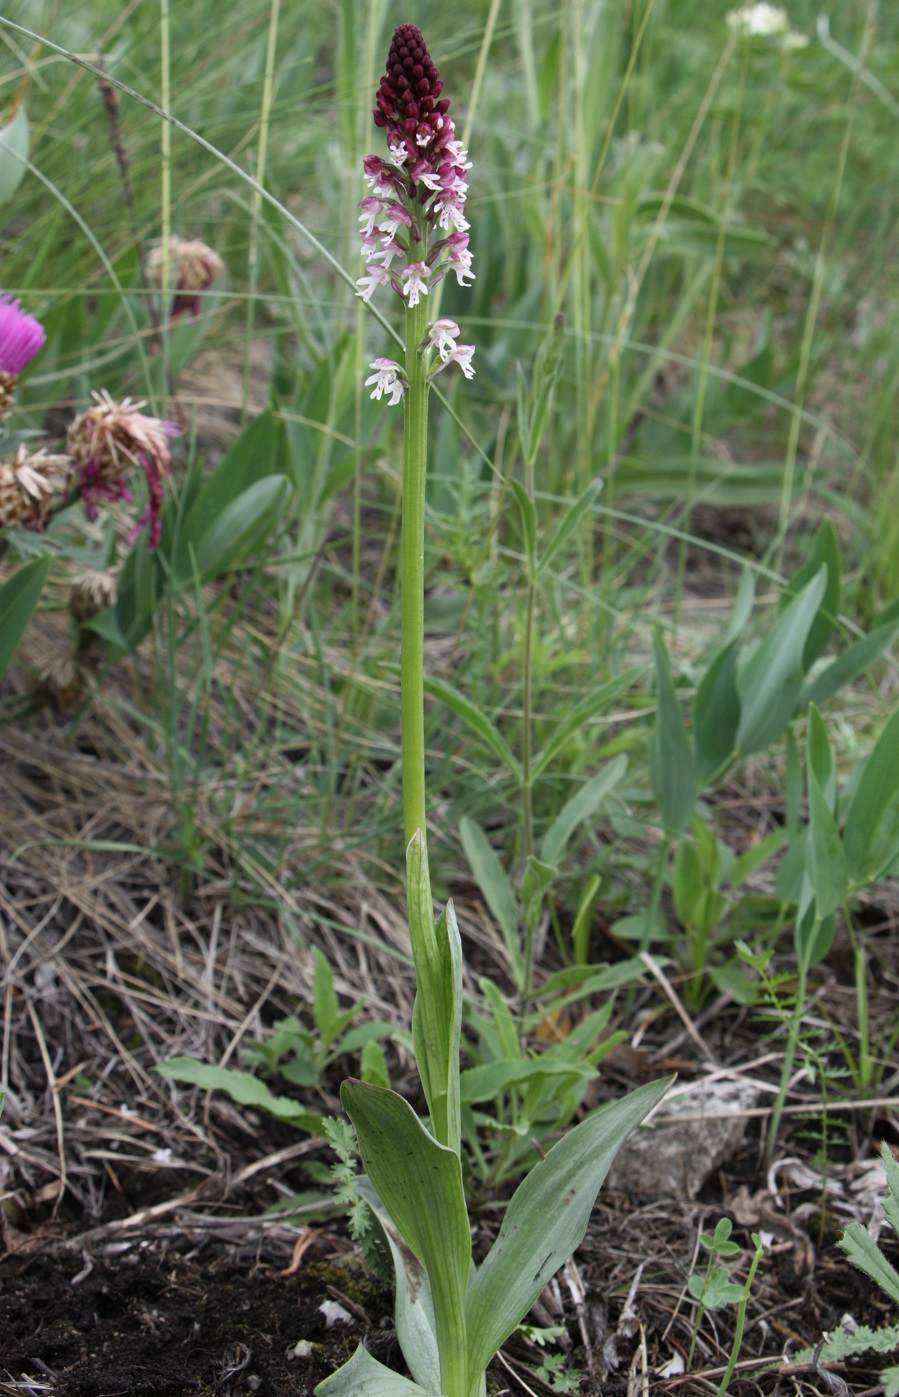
{"x": 764, "y": 21}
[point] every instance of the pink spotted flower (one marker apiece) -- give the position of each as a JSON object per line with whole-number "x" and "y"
{"x": 415, "y": 213}
{"x": 21, "y": 336}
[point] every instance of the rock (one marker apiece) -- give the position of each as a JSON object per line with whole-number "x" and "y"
{"x": 696, "y": 1130}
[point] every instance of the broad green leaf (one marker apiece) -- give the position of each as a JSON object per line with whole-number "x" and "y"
{"x": 491, "y": 1079}
{"x": 871, "y": 832}
{"x": 825, "y": 858}
{"x": 528, "y": 512}
{"x": 826, "y": 552}
{"x": 415, "y": 1324}
{"x": 580, "y": 807}
{"x": 757, "y": 855}
{"x": 373, "y": 1065}
{"x": 670, "y": 755}
{"x": 770, "y": 683}
{"x": 576, "y": 718}
{"x": 19, "y": 596}
{"x": 476, "y": 720}
{"x": 241, "y": 527}
{"x": 420, "y": 1184}
{"x": 437, "y": 1013}
{"x": 364, "y": 1376}
{"x": 716, "y": 715}
{"x": 856, "y": 659}
{"x": 490, "y": 877}
{"x": 568, "y": 523}
{"x": 242, "y": 1087}
{"x": 14, "y": 143}
{"x": 545, "y": 1222}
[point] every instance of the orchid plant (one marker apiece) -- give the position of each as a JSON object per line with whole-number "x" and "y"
{"x": 451, "y": 1316}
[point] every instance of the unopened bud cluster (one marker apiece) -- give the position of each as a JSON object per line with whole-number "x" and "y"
{"x": 414, "y": 229}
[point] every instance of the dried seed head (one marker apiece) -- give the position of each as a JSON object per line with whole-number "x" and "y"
{"x": 28, "y": 486}
{"x": 106, "y": 441}
{"x": 193, "y": 267}
{"x": 93, "y": 592}
{"x": 58, "y": 682}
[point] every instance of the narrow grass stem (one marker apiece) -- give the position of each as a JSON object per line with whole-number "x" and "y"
{"x": 415, "y": 459}
{"x": 165, "y": 185}
{"x": 268, "y": 83}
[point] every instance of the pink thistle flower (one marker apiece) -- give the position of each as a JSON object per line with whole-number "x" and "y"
{"x": 106, "y": 441}
{"x": 21, "y": 336}
{"x": 387, "y": 378}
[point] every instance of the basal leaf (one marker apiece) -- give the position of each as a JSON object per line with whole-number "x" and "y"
{"x": 420, "y": 1184}
{"x": 490, "y": 877}
{"x": 545, "y": 1222}
{"x": 716, "y": 715}
{"x": 364, "y": 1376}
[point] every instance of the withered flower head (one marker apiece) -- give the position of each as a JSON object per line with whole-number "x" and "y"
{"x": 106, "y": 441}
{"x": 92, "y": 592}
{"x": 193, "y": 267}
{"x": 28, "y": 486}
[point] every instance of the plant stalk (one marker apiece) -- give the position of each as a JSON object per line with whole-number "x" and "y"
{"x": 415, "y": 459}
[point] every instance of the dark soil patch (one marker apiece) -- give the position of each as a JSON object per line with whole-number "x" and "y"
{"x": 150, "y": 1320}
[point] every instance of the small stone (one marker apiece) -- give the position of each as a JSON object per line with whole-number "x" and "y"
{"x": 303, "y": 1349}
{"x": 334, "y": 1313}
{"x": 694, "y": 1132}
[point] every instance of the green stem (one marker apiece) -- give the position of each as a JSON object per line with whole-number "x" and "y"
{"x": 741, "y": 1318}
{"x": 415, "y": 461}
{"x": 789, "y": 1058}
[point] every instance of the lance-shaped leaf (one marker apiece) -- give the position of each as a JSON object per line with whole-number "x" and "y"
{"x": 582, "y": 805}
{"x": 857, "y": 658}
{"x": 871, "y": 833}
{"x": 670, "y": 755}
{"x": 479, "y": 723}
{"x": 546, "y": 1221}
{"x": 415, "y": 1323}
{"x": 437, "y": 1015}
{"x": 18, "y": 598}
{"x": 490, "y": 877}
{"x": 716, "y": 715}
{"x": 770, "y": 682}
{"x": 420, "y": 1184}
{"x": 826, "y": 552}
{"x": 364, "y": 1376}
